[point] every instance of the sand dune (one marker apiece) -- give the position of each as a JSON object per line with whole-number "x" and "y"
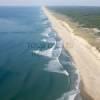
{"x": 86, "y": 57}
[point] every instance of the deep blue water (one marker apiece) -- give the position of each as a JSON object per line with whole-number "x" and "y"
{"x": 33, "y": 62}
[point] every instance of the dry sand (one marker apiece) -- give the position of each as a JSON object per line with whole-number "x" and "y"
{"x": 86, "y": 57}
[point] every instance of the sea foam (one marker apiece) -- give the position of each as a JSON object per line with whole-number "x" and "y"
{"x": 47, "y": 53}
{"x": 55, "y": 66}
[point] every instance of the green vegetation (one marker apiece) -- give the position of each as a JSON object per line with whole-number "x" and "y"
{"x": 86, "y": 17}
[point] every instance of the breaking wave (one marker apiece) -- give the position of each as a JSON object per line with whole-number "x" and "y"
{"x": 47, "y": 53}
{"x": 55, "y": 65}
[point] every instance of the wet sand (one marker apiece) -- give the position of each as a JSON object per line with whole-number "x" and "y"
{"x": 86, "y": 58}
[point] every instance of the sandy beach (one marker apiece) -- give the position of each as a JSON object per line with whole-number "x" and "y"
{"x": 85, "y": 57}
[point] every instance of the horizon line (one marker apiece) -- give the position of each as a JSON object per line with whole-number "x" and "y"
{"x": 49, "y": 5}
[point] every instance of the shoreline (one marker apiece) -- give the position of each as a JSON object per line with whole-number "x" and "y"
{"x": 91, "y": 35}
{"x": 82, "y": 33}
{"x": 84, "y": 57}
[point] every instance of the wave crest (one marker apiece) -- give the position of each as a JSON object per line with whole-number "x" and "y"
{"x": 55, "y": 66}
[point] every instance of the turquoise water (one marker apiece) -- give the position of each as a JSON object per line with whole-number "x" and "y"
{"x": 33, "y": 62}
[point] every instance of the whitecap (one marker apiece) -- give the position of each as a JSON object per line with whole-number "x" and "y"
{"x": 55, "y": 66}
{"x": 69, "y": 95}
{"x": 44, "y": 40}
{"x": 49, "y": 40}
{"x": 47, "y": 53}
{"x": 46, "y": 33}
{"x": 59, "y": 43}
{"x": 52, "y": 39}
{"x": 57, "y": 52}
{"x": 78, "y": 79}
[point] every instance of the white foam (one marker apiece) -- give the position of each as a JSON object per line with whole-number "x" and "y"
{"x": 67, "y": 63}
{"x": 45, "y": 22}
{"x": 69, "y": 95}
{"x": 78, "y": 79}
{"x": 52, "y": 52}
{"x": 72, "y": 94}
{"x": 47, "y": 52}
{"x": 46, "y": 33}
{"x": 55, "y": 66}
{"x": 72, "y": 97}
{"x": 57, "y": 52}
{"x": 59, "y": 44}
{"x": 42, "y": 15}
{"x": 49, "y": 40}
{"x": 49, "y": 29}
{"x": 96, "y": 30}
{"x": 44, "y": 40}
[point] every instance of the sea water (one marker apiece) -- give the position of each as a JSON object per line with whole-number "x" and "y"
{"x": 33, "y": 62}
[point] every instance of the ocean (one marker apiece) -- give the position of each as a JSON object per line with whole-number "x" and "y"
{"x": 33, "y": 63}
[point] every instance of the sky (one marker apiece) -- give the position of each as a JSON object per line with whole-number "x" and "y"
{"x": 50, "y": 2}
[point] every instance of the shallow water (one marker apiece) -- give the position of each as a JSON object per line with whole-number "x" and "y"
{"x": 33, "y": 62}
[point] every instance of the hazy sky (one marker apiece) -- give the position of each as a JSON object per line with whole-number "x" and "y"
{"x": 51, "y": 2}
